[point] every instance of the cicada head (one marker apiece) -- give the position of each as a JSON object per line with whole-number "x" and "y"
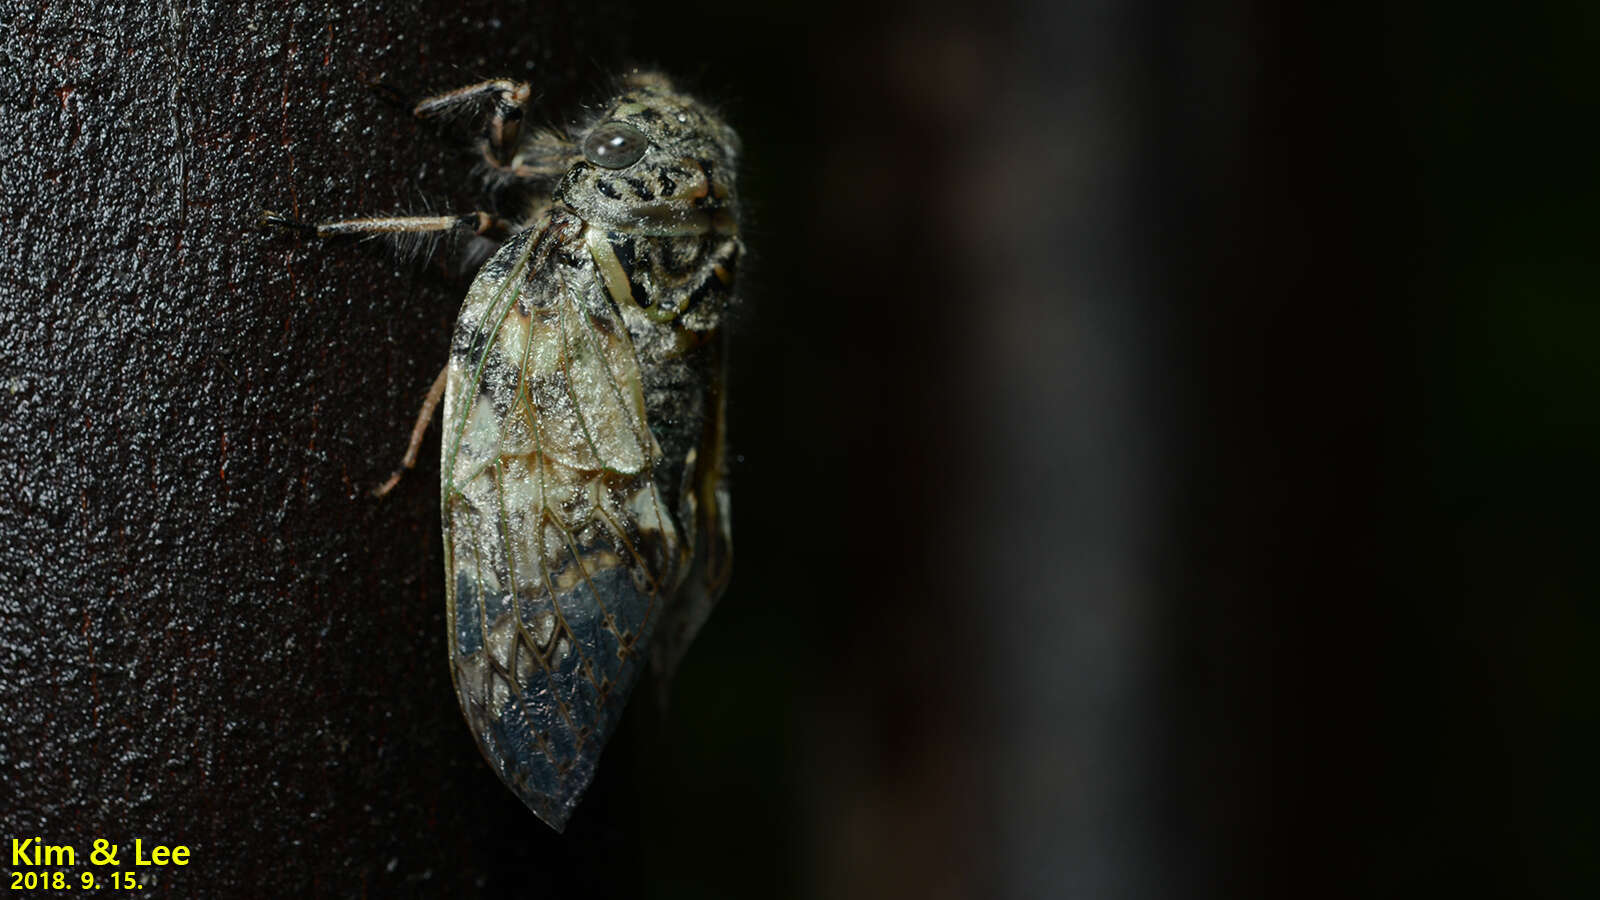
{"x": 657, "y": 163}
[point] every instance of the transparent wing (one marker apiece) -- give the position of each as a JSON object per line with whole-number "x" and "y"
{"x": 559, "y": 552}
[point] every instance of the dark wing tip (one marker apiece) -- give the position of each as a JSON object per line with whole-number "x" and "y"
{"x": 555, "y": 810}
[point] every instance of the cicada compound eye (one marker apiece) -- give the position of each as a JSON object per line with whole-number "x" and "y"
{"x": 614, "y": 145}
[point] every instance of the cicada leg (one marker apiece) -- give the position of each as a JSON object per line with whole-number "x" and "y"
{"x": 476, "y": 222}
{"x": 430, "y": 405}
{"x": 507, "y": 101}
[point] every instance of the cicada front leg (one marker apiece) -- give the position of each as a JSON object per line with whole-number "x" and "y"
{"x": 507, "y": 101}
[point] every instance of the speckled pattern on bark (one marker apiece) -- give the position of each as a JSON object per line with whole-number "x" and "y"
{"x": 209, "y": 634}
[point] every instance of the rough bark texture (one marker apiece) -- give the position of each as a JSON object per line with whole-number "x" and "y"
{"x": 210, "y": 635}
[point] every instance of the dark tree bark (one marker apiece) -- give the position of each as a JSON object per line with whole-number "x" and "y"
{"x": 210, "y": 634}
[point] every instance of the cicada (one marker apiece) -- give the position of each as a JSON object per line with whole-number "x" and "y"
{"x": 583, "y": 480}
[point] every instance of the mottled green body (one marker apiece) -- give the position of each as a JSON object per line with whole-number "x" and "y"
{"x": 584, "y": 505}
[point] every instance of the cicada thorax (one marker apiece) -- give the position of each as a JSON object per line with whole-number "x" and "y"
{"x": 674, "y": 292}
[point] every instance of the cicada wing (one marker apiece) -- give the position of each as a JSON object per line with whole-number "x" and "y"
{"x": 559, "y": 552}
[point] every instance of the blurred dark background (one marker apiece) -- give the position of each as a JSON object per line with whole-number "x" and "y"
{"x": 1163, "y": 439}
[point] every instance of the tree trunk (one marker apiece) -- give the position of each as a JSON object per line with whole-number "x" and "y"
{"x": 211, "y": 635}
